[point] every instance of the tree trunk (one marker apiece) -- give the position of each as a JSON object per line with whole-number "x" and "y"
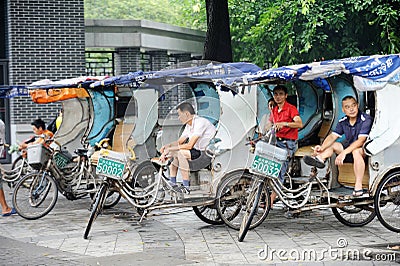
{"x": 218, "y": 39}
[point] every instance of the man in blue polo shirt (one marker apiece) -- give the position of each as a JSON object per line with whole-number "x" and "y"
{"x": 356, "y": 127}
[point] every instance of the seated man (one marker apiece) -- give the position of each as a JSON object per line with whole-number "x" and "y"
{"x": 356, "y": 127}
{"x": 192, "y": 143}
{"x": 286, "y": 121}
{"x": 41, "y": 134}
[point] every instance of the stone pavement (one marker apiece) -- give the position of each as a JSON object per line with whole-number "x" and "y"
{"x": 178, "y": 237}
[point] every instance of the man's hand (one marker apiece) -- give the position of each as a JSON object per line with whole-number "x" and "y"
{"x": 279, "y": 125}
{"x": 340, "y": 158}
{"x": 164, "y": 155}
{"x": 317, "y": 150}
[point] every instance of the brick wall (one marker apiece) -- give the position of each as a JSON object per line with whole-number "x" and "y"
{"x": 127, "y": 60}
{"x": 47, "y": 41}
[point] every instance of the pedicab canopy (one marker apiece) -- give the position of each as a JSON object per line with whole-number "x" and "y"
{"x": 369, "y": 72}
{"x": 47, "y": 91}
{"x": 225, "y": 73}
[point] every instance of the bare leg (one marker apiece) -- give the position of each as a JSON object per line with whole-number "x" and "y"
{"x": 183, "y": 156}
{"x": 173, "y": 168}
{"x": 273, "y": 197}
{"x": 4, "y": 206}
{"x": 359, "y": 167}
{"x": 335, "y": 148}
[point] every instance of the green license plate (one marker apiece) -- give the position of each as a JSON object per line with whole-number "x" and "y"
{"x": 111, "y": 168}
{"x": 266, "y": 166}
{"x": 61, "y": 160}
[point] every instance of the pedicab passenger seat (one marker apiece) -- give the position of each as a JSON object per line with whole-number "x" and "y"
{"x": 323, "y": 132}
{"x": 204, "y": 161}
{"x": 122, "y": 133}
{"x": 346, "y": 173}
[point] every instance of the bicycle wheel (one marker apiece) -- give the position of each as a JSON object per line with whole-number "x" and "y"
{"x": 208, "y": 214}
{"x": 17, "y": 162}
{"x": 96, "y": 208}
{"x": 251, "y": 209}
{"x": 143, "y": 181}
{"x": 35, "y": 195}
{"x": 354, "y": 216}
{"x": 387, "y": 202}
{"x": 112, "y": 199}
{"x": 20, "y": 166}
{"x": 232, "y": 197}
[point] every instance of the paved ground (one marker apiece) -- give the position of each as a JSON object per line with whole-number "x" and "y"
{"x": 177, "y": 237}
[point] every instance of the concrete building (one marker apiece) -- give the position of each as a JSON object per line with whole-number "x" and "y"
{"x": 49, "y": 39}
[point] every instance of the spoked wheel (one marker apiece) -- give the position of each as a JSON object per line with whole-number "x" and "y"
{"x": 112, "y": 199}
{"x": 21, "y": 166}
{"x": 143, "y": 184}
{"x": 97, "y": 207}
{"x": 232, "y": 197}
{"x": 387, "y": 202}
{"x": 354, "y": 216}
{"x": 208, "y": 214}
{"x": 252, "y": 206}
{"x": 35, "y": 195}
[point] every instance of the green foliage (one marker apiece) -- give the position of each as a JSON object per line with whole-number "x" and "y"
{"x": 278, "y": 32}
{"x": 184, "y": 13}
{"x": 296, "y": 31}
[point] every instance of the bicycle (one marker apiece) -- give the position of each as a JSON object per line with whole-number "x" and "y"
{"x": 305, "y": 197}
{"x": 36, "y": 194}
{"x": 146, "y": 187}
{"x": 19, "y": 168}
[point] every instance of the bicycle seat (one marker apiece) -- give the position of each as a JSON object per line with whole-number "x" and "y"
{"x": 81, "y": 152}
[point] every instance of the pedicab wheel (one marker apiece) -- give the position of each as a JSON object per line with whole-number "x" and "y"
{"x": 387, "y": 202}
{"x": 208, "y": 214}
{"x": 252, "y": 205}
{"x": 17, "y": 162}
{"x": 232, "y": 197}
{"x": 354, "y": 216}
{"x": 35, "y": 195}
{"x": 143, "y": 181}
{"x": 112, "y": 199}
{"x": 97, "y": 207}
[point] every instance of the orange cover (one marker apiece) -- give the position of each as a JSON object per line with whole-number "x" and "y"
{"x": 55, "y": 95}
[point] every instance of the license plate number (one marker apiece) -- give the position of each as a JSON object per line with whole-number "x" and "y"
{"x": 110, "y": 168}
{"x": 266, "y": 166}
{"x": 61, "y": 161}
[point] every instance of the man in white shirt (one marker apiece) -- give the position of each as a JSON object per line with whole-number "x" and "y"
{"x": 192, "y": 143}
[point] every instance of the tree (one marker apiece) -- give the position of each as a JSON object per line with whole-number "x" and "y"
{"x": 296, "y": 31}
{"x": 217, "y": 46}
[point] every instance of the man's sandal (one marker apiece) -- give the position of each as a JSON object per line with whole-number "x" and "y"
{"x": 358, "y": 192}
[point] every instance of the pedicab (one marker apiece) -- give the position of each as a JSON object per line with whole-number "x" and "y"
{"x": 374, "y": 81}
{"x": 56, "y": 169}
{"x": 143, "y": 182}
{"x": 19, "y": 166}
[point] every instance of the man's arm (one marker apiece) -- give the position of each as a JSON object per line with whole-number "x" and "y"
{"x": 190, "y": 144}
{"x": 355, "y": 145}
{"x": 296, "y": 123}
{"x": 328, "y": 141}
{"x": 173, "y": 146}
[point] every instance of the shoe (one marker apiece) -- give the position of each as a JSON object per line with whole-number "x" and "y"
{"x": 313, "y": 161}
{"x": 358, "y": 192}
{"x": 181, "y": 189}
{"x": 13, "y": 211}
